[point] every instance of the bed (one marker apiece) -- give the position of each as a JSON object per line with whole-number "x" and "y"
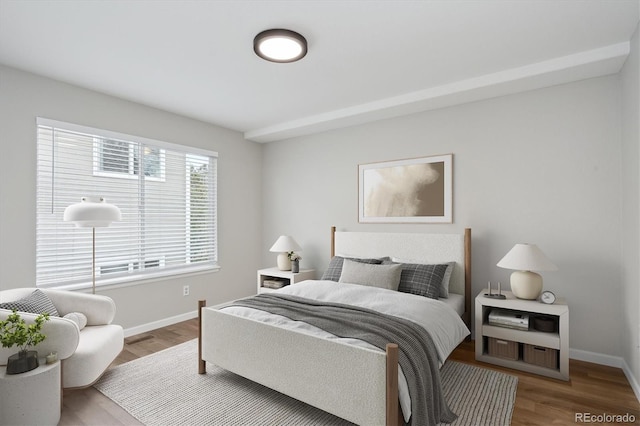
{"x": 357, "y": 382}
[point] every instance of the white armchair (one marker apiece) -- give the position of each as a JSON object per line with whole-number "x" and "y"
{"x": 86, "y": 353}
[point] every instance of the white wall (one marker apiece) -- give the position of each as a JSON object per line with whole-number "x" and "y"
{"x": 541, "y": 167}
{"x": 630, "y": 79}
{"x": 24, "y": 96}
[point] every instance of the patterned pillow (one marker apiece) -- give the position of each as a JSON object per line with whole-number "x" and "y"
{"x": 36, "y": 303}
{"x": 444, "y": 285}
{"x": 334, "y": 270}
{"x": 423, "y": 280}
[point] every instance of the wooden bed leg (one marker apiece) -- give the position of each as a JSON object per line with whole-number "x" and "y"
{"x": 202, "y": 365}
{"x": 393, "y": 414}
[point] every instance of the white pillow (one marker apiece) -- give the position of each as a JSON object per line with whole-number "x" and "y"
{"x": 444, "y": 285}
{"x": 79, "y": 318}
{"x": 381, "y": 276}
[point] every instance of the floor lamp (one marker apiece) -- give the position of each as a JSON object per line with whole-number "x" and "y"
{"x": 92, "y": 212}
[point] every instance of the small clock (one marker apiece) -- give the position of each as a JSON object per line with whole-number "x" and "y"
{"x": 548, "y": 297}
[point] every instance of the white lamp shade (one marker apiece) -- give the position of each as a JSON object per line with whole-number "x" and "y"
{"x": 526, "y": 257}
{"x": 92, "y": 212}
{"x": 285, "y": 244}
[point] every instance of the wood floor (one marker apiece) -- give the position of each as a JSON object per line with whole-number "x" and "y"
{"x": 593, "y": 388}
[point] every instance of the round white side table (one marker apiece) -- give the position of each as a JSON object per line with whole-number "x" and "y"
{"x": 31, "y": 398}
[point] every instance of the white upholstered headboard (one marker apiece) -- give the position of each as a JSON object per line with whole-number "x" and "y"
{"x": 419, "y": 247}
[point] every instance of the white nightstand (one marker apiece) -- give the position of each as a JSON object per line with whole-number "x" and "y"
{"x": 287, "y": 276}
{"x": 538, "y": 352}
{"x": 31, "y": 398}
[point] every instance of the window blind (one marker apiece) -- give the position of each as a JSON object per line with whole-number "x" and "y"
{"x": 166, "y": 193}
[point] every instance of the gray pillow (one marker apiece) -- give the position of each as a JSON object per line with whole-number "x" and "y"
{"x": 334, "y": 270}
{"x": 373, "y": 275}
{"x": 444, "y": 288}
{"x": 35, "y": 303}
{"x": 423, "y": 280}
{"x": 444, "y": 285}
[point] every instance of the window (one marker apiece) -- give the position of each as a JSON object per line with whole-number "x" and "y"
{"x": 127, "y": 267}
{"x": 117, "y": 158}
{"x": 166, "y": 192}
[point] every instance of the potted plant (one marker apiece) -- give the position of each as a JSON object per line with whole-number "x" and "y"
{"x": 295, "y": 261}
{"x": 14, "y": 331}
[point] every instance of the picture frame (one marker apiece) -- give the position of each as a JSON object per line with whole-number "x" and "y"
{"x": 414, "y": 190}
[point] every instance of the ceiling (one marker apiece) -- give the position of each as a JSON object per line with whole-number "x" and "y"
{"x": 367, "y": 60}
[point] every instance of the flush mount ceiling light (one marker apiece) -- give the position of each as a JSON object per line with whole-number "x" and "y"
{"x": 278, "y": 45}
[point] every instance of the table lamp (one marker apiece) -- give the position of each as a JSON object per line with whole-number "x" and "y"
{"x": 526, "y": 258}
{"x": 284, "y": 244}
{"x": 92, "y": 212}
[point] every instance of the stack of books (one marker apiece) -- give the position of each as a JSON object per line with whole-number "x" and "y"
{"x": 272, "y": 283}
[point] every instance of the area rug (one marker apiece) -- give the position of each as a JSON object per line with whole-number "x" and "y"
{"x": 165, "y": 389}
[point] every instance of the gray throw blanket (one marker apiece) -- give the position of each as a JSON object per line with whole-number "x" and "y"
{"x": 417, "y": 355}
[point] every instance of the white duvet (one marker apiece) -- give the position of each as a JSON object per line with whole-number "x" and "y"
{"x": 443, "y": 324}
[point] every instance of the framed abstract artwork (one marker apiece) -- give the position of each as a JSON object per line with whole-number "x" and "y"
{"x": 415, "y": 190}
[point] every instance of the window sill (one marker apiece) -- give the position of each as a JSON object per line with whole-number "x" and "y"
{"x": 122, "y": 282}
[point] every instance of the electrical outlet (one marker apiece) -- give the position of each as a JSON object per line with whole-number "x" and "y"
{"x": 185, "y": 290}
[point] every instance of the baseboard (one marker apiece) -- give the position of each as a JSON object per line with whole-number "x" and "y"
{"x": 596, "y": 358}
{"x": 144, "y": 328}
{"x": 611, "y": 361}
{"x": 633, "y": 381}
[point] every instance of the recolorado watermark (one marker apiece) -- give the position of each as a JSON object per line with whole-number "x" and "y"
{"x": 604, "y": 418}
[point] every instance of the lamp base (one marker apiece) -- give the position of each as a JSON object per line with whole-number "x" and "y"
{"x": 526, "y": 285}
{"x": 284, "y": 263}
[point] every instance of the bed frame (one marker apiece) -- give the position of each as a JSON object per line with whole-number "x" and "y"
{"x": 354, "y": 383}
